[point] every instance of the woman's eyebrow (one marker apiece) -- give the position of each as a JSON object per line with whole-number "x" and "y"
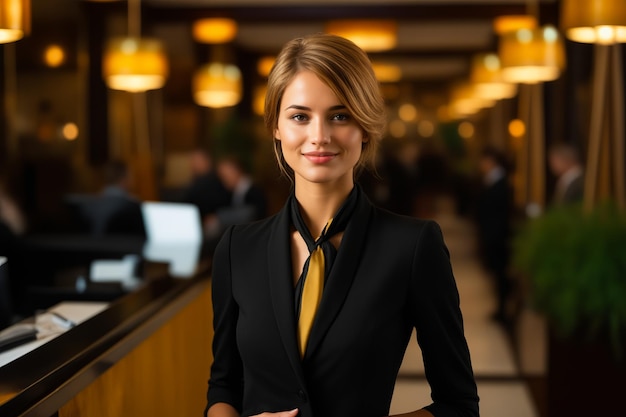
{"x": 305, "y": 108}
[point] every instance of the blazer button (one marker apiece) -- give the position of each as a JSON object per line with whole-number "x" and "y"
{"x": 302, "y": 395}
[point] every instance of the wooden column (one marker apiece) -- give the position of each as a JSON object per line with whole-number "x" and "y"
{"x": 605, "y": 175}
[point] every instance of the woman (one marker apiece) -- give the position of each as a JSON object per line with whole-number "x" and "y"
{"x": 278, "y": 349}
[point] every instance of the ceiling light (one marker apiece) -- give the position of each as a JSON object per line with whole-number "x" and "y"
{"x": 466, "y": 130}
{"x": 370, "y": 35}
{"x": 465, "y": 101}
{"x": 217, "y": 85}
{"x": 387, "y": 73}
{"x": 407, "y": 112}
{"x": 594, "y": 21}
{"x": 214, "y": 30}
{"x": 511, "y": 23}
{"x": 264, "y": 65}
{"x": 14, "y": 20}
{"x": 134, "y": 64}
{"x": 531, "y": 56}
{"x": 54, "y": 56}
{"x": 486, "y": 76}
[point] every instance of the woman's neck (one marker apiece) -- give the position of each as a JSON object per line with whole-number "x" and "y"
{"x": 320, "y": 202}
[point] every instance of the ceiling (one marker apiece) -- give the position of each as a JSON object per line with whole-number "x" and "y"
{"x": 436, "y": 38}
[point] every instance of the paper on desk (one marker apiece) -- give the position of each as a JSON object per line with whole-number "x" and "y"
{"x": 76, "y": 311}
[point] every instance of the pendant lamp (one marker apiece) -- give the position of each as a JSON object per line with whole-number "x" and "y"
{"x": 133, "y": 63}
{"x": 531, "y": 56}
{"x": 217, "y": 85}
{"x": 214, "y": 30}
{"x": 465, "y": 101}
{"x": 603, "y": 23}
{"x": 594, "y": 21}
{"x": 14, "y": 20}
{"x": 486, "y": 77}
{"x": 370, "y": 35}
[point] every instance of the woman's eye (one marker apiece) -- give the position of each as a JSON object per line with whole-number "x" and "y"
{"x": 299, "y": 117}
{"x": 340, "y": 117}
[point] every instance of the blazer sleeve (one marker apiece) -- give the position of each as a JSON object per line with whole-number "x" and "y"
{"x": 437, "y": 318}
{"x": 226, "y": 380}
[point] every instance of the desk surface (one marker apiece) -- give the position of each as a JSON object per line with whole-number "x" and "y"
{"x": 48, "y": 330}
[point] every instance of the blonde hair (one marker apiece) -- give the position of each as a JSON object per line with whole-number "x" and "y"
{"x": 347, "y": 71}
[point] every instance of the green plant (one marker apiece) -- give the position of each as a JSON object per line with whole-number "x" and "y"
{"x": 576, "y": 264}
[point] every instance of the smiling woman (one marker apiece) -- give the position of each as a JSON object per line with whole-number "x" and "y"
{"x": 314, "y": 307}
{"x": 320, "y": 140}
{"x": 346, "y": 73}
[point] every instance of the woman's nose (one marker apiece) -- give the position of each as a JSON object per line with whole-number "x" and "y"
{"x": 319, "y": 132}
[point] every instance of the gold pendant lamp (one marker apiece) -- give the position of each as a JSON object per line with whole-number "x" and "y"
{"x": 218, "y": 83}
{"x": 594, "y": 21}
{"x": 531, "y": 56}
{"x": 14, "y": 20}
{"x": 602, "y": 23}
{"x": 486, "y": 77}
{"x": 371, "y": 35}
{"x": 133, "y": 63}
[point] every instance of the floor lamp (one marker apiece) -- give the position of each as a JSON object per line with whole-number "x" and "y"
{"x": 603, "y": 23}
{"x": 136, "y": 65}
{"x": 530, "y": 57}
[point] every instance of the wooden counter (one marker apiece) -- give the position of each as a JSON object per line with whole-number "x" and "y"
{"x": 148, "y": 354}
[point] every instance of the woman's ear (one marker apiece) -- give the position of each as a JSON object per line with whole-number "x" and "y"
{"x": 276, "y": 134}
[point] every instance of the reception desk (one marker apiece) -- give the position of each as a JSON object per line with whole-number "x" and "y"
{"x": 147, "y": 354}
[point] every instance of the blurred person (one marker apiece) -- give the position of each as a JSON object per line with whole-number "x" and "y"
{"x": 10, "y": 213}
{"x": 494, "y": 211}
{"x": 248, "y": 201}
{"x": 565, "y": 163}
{"x": 12, "y": 221}
{"x": 115, "y": 210}
{"x": 402, "y": 178}
{"x": 206, "y": 190}
{"x": 314, "y": 306}
{"x": 12, "y": 228}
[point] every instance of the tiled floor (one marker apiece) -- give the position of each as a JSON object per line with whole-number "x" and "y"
{"x": 499, "y": 374}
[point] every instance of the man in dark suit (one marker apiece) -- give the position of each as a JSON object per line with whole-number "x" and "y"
{"x": 206, "y": 190}
{"x": 493, "y": 215}
{"x": 565, "y": 164}
{"x": 248, "y": 202}
{"x": 113, "y": 211}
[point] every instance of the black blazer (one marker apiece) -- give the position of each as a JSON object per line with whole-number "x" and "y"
{"x": 391, "y": 274}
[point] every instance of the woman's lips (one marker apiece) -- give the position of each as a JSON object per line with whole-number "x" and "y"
{"x": 319, "y": 157}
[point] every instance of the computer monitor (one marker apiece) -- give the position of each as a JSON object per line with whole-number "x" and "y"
{"x": 174, "y": 235}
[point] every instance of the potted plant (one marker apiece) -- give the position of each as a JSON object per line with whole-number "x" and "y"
{"x": 575, "y": 264}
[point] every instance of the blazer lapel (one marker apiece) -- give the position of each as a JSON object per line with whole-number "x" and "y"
{"x": 342, "y": 273}
{"x": 282, "y": 288}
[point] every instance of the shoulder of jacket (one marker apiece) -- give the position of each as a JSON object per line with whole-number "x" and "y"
{"x": 390, "y": 219}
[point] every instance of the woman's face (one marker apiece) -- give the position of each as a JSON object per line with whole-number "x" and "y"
{"x": 320, "y": 139}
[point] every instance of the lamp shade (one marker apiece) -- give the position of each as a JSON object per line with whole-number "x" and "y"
{"x": 217, "y": 85}
{"x": 370, "y": 35}
{"x": 14, "y": 20}
{"x": 511, "y": 23}
{"x": 135, "y": 64}
{"x": 486, "y": 76}
{"x": 531, "y": 56}
{"x": 594, "y": 21}
{"x": 387, "y": 73}
{"x": 214, "y": 30}
{"x": 464, "y": 100}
